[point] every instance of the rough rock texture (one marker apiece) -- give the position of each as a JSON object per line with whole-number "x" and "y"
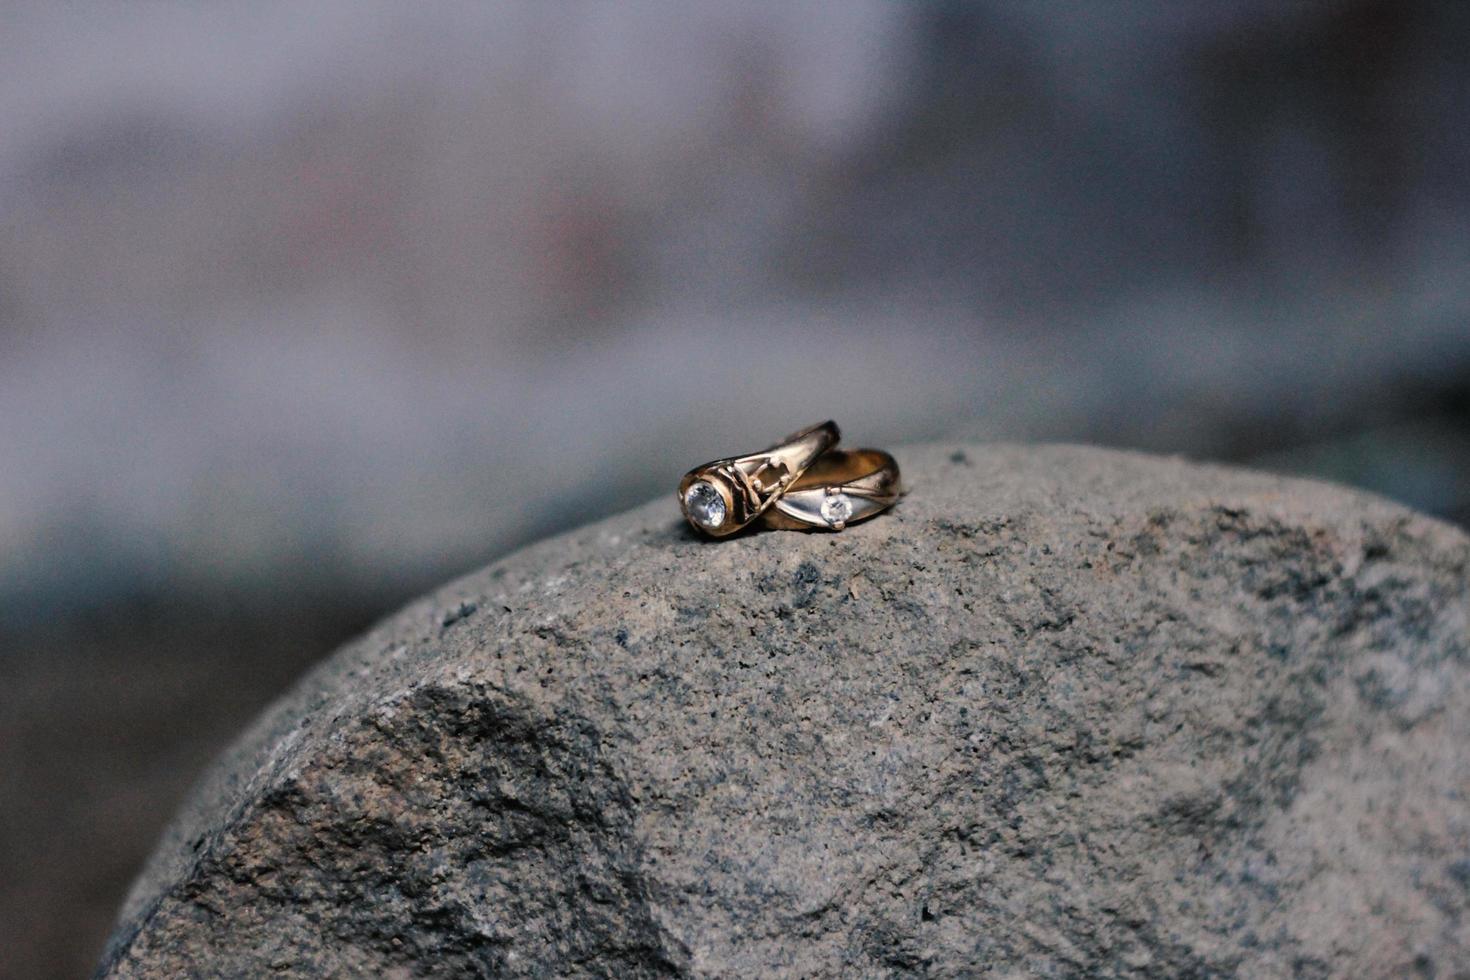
{"x": 1063, "y": 711}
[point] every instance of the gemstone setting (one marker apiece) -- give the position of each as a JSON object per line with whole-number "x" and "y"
{"x": 704, "y": 505}
{"x": 837, "y": 509}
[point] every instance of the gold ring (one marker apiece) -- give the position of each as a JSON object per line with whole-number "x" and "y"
{"x": 721, "y": 497}
{"x": 839, "y": 489}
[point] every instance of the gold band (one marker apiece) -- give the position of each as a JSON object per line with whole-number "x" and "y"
{"x": 721, "y": 497}
{"x": 841, "y": 488}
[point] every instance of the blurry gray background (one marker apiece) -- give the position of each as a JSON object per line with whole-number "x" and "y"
{"x": 304, "y": 308}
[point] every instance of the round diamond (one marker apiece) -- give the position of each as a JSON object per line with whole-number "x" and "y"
{"x": 705, "y": 505}
{"x": 836, "y": 509}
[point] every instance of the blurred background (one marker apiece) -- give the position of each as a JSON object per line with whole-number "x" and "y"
{"x": 305, "y": 308}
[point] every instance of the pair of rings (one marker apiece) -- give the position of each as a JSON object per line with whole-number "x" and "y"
{"x": 802, "y": 483}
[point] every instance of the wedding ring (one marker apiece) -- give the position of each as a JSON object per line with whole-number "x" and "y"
{"x": 841, "y": 488}
{"x": 721, "y": 497}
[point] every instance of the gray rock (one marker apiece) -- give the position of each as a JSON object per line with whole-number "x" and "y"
{"x": 1063, "y": 711}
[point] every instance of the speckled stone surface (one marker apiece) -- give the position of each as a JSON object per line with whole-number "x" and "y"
{"x": 1063, "y": 711}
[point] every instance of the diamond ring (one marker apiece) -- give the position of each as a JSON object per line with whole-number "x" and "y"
{"x": 721, "y": 497}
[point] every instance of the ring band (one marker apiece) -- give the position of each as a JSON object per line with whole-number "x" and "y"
{"x": 721, "y": 497}
{"x": 841, "y": 488}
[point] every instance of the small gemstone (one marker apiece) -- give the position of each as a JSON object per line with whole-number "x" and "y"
{"x": 705, "y": 505}
{"x": 836, "y": 509}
